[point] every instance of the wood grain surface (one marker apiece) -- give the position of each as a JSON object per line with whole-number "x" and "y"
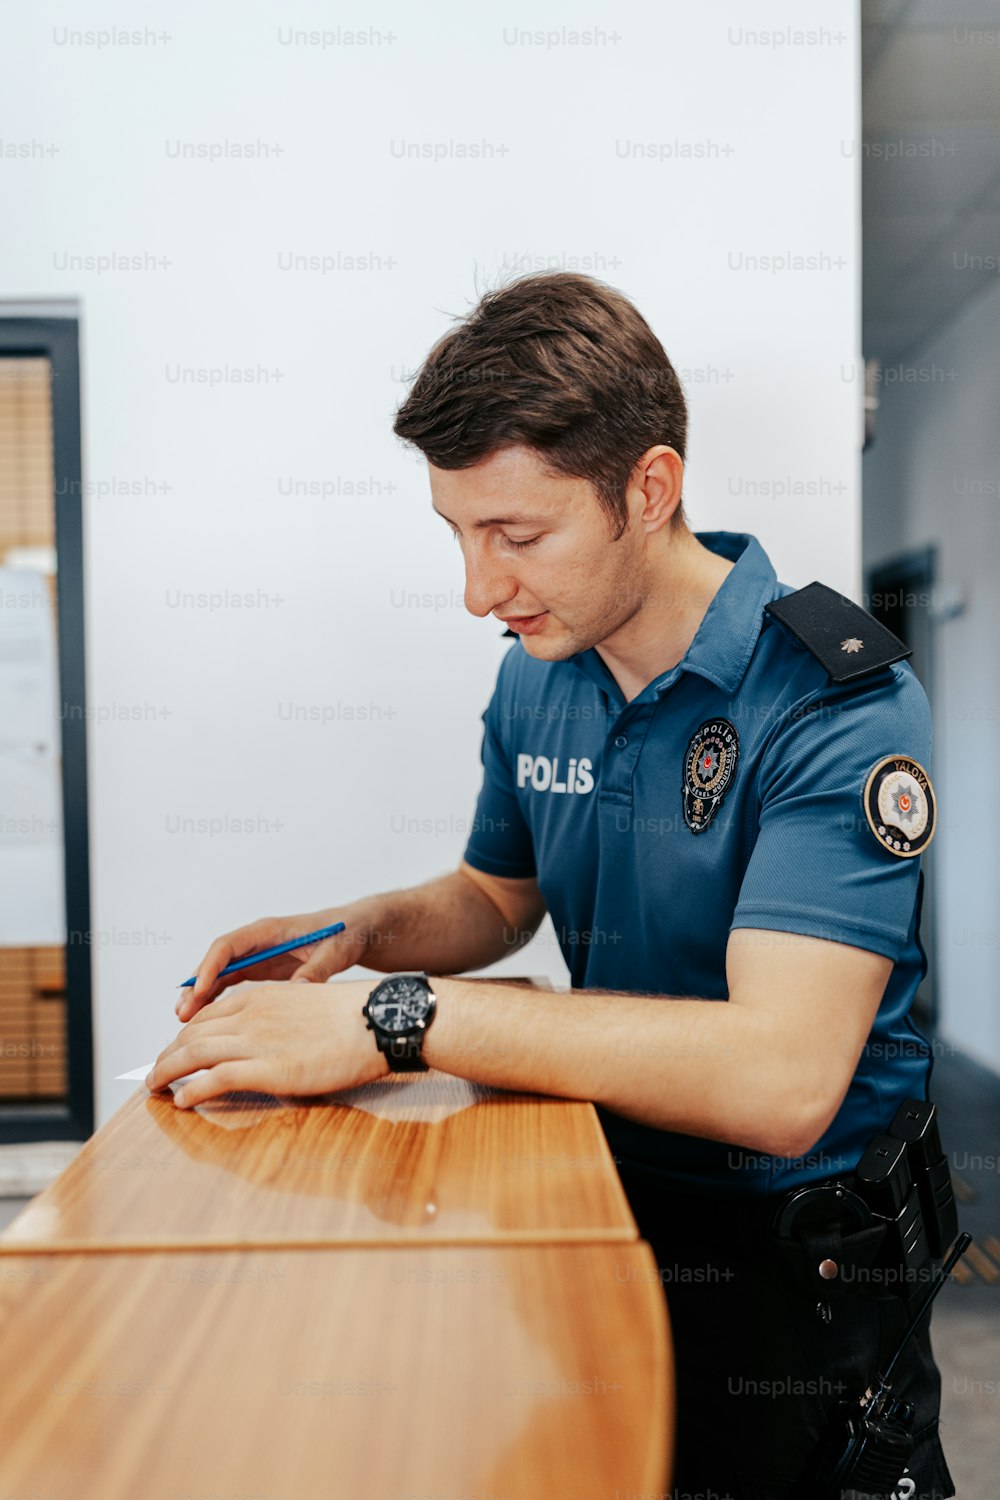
{"x": 377, "y": 1374}
{"x": 422, "y": 1158}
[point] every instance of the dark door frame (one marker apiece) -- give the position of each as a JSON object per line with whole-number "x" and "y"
{"x": 58, "y": 340}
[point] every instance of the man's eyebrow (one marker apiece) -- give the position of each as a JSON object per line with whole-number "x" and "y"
{"x": 516, "y": 519}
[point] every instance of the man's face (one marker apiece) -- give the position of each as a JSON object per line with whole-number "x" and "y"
{"x": 537, "y": 549}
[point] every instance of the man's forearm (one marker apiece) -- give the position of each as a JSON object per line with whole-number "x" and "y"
{"x": 705, "y": 1068}
{"x": 445, "y": 926}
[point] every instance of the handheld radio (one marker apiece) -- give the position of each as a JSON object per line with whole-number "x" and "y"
{"x": 871, "y": 1440}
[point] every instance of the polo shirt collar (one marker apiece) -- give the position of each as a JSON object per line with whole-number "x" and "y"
{"x": 725, "y": 639}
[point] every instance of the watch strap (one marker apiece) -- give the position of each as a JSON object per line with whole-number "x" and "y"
{"x": 402, "y": 1053}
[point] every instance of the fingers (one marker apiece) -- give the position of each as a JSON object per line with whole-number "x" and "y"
{"x": 225, "y": 950}
{"x": 224, "y": 1078}
{"x": 198, "y": 1052}
{"x": 318, "y": 968}
{"x": 331, "y": 956}
{"x": 314, "y": 964}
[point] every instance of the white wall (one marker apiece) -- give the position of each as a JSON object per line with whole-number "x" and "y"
{"x": 932, "y": 477}
{"x": 661, "y": 157}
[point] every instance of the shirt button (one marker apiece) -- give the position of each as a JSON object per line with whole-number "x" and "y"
{"x": 621, "y": 741}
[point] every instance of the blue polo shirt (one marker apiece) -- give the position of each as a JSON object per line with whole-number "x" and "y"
{"x": 587, "y": 793}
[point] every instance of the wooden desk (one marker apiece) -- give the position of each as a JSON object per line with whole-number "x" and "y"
{"x": 421, "y": 1288}
{"x": 425, "y": 1159}
{"x": 340, "y": 1374}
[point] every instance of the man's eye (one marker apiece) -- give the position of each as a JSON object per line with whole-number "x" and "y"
{"x": 529, "y": 543}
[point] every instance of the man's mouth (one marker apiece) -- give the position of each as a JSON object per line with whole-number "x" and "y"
{"x": 525, "y": 624}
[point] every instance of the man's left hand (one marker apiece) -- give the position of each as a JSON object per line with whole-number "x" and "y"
{"x": 289, "y": 1037}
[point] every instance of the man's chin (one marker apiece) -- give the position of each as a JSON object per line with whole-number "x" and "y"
{"x": 549, "y": 645}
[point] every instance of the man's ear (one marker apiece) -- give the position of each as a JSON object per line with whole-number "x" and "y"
{"x": 659, "y": 475}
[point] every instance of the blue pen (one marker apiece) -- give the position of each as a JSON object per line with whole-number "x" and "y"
{"x": 257, "y": 958}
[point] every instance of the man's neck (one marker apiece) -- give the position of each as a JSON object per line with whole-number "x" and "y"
{"x": 658, "y": 635}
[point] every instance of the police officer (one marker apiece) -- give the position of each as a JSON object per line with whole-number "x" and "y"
{"x": 717, "y": 787}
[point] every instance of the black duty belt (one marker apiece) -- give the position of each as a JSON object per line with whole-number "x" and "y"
{"x": 874, "y": 1231}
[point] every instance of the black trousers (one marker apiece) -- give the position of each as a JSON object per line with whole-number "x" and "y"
{"x": 759, "y": 1374}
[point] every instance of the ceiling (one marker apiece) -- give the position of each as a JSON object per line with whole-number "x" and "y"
{"x": 930, "y": 165}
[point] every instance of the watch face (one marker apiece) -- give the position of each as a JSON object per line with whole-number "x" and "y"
{"x": 399, "y": 1004}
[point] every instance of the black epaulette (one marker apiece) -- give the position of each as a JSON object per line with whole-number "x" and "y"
{"x": 846, "y": 639}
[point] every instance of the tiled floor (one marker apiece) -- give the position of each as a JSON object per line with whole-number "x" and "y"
{"x": 966, "y": 1320}
{"x": 965, "y": 1326}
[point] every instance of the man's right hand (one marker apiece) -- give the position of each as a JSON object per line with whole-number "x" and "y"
{"x": 314, "y": 963}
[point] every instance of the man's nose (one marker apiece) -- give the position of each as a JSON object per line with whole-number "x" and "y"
{"x": 486, "y": 586}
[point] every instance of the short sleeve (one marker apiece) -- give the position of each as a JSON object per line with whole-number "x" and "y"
{"x": 500, "y": 841}
{"x": 817, "y": 867}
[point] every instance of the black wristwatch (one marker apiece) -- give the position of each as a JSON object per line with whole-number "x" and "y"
{"x": 399, "y": 1011}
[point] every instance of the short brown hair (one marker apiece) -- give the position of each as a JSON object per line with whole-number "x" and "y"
{"x": 557, "y": 361}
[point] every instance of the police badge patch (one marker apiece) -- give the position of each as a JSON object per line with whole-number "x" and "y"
{"x": 709, "y": 767}
{"x": 900, "y": 806}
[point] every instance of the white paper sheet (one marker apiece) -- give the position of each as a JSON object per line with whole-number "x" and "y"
{"x": 138, "y": 1075}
